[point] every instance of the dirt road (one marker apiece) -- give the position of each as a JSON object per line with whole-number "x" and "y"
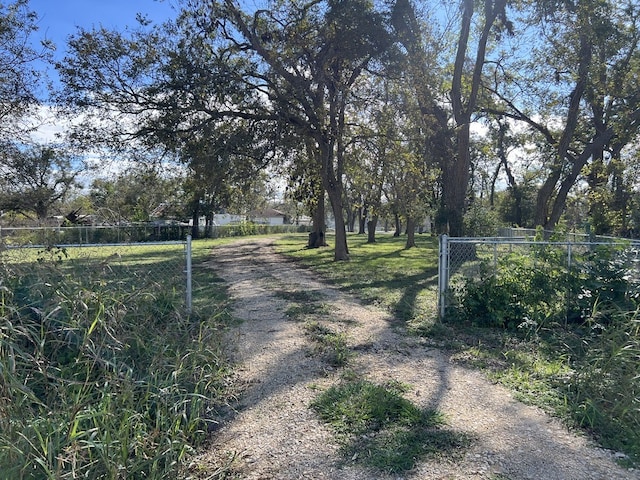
{"x": 273, "y": 434}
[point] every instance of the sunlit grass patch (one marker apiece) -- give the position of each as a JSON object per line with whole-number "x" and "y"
{"x": 385, "y": 273}
{"x": 377, "y": 427}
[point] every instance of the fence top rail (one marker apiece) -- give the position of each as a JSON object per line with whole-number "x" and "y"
{"x": 528, "y": 241}
{"x": 85, "y": 245}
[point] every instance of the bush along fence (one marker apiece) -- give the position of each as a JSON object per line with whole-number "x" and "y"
{"x": 504, "y": 282}
{"x": 577, "y": 303}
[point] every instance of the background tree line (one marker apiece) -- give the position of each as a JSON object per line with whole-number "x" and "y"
{"x": 470, "y": 114}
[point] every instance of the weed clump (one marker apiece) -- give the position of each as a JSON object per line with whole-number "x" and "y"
{"x": 379, "y": 428}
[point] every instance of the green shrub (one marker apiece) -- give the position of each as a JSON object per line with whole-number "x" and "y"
{"x": 538, "y": 288}
{"x": 586, "y": 316}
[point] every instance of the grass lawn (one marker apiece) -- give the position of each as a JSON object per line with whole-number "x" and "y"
{"x": 384, "y": 273}
{"x": 103, "y": 371}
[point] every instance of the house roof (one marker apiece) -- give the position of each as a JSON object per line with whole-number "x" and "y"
{"x": 267, "y": 213}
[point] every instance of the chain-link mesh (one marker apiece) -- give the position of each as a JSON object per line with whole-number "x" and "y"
{"x": 93, "y": 234}
{"x": 127, "y": 270}
{"x": 146, "y": 232}
{"x": 469, "y": 259}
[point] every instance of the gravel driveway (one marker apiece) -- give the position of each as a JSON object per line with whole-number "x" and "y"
{"x": 273, "y": 434}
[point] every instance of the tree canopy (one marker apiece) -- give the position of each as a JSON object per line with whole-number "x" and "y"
{"x": 418, "y": 111}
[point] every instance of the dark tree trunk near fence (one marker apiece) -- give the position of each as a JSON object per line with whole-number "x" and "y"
{"x": 371, "y": 229}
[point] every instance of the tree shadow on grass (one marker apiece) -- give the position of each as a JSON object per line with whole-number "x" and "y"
{"x": 378, "y": 427}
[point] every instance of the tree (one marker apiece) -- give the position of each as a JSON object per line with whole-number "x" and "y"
{"x": 371, "y": 135}
{"x": 134, "y": 193}
{"x": 35, "y": 178}
{"x": 167, "y": 90}
{"x": 573, "y": 89}
{"x": 423, "y": 70}
{"x": 19, "y": 80}
{"x": 465, "y": 88}
{"x": 313, "y": 53}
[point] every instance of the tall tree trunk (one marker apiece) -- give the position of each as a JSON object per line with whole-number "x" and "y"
{"x": 362, "y": 220}
{"x": 208, "y": 228}
{"x": 411, "y": 233}
{"x": 352, "y": 214}
{"x": 332, "y": 182}
{"x": 341, "y": 251}
{"x": 456, "y": 173}
{"x": 317, "y": 237}
{"x": 398, "y": 231}
{"x": 371, "y": 229}
{"x": 456, "y": 183}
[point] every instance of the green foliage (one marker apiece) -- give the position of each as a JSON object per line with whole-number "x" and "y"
{"x": 582, "y": 322}
{"x": 35, "y": 179}
{"x": 20, "y": 80}
{"x": 99, "y": 379}
{"x": 522, "y": 290}
{"x": 480, "y": 221}
{"x": 539, "y": 287}
{"x": 133, "y": 195}
{"x": 378, "y": 427}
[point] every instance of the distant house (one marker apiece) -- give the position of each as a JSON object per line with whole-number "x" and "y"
{"x": 225, "y": 219}
{"x": 268, "y": 216}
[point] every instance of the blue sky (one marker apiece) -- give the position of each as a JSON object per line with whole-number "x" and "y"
{"x": 60, "y": 18}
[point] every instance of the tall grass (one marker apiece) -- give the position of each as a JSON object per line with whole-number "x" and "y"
{"x": 103, "y": 379}
{"x": 605, "y": 391}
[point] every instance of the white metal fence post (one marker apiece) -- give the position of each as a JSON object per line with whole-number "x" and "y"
{"x": 443, "y": 273}
{"x": 189, "y": 298}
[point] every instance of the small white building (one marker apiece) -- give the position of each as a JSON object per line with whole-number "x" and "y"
{"x": 269, "y": 216}
{"x": 226, "y": 219}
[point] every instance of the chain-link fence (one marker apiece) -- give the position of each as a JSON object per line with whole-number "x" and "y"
{"x": 470, "y": 259}
{"x": 523, "y": 233}
{"x": 158, "y": 271}
{"x": 133, "y": 233}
